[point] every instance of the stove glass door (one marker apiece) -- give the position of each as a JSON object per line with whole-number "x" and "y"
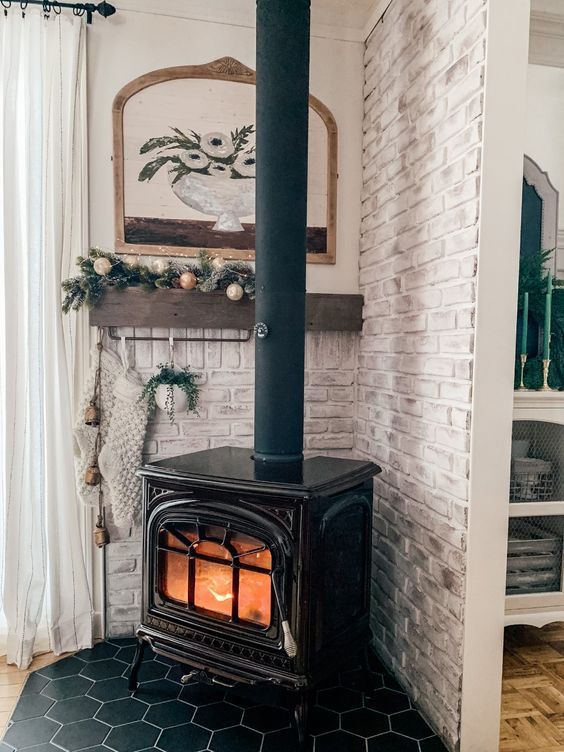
{"x": 215, "y": 571}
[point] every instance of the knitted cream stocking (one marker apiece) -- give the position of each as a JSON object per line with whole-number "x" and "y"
{"x": 121, "y": 454}
{"x": 85, "y": 436}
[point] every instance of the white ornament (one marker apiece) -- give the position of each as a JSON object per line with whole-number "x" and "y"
{"x": 159, "y": 266}
{"x": 218, "y": 263}
{"x": 102, "y": 266}
{"x": 234, "y": 291}
{"x": 178, "y": 395}
{"x": 131, "y": 261}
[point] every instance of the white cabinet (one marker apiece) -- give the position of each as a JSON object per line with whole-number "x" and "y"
{"x": 536, "y": 517}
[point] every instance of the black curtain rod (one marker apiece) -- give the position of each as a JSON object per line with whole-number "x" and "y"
{"x": 79, "y": 9}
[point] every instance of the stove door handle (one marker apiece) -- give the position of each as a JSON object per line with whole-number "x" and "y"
{"x": 217, "y": 680}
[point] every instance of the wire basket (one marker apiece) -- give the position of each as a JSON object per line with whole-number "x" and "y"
{"x": 531, "y": 486}
{"x": 534, "y": 557}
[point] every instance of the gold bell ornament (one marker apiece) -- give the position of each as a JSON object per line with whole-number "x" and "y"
{"x": 92, "y": 415}
{"x": 101, "y": 535}
{"x": 93, "y": 476}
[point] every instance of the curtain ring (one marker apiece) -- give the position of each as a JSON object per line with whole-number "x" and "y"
{"x": 23, "y": 7}
{"x": 56, "y": 7}
{"x": 6, "y": 4}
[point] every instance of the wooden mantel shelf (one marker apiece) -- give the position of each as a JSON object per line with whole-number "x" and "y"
{"x": 182, "y": 309}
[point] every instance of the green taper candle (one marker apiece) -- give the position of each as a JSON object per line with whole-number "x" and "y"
{"x": 525, "y": 330}
{"x": 547, "y": 317}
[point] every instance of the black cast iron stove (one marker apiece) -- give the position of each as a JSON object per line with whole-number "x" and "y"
{"x": 256, "y": 574}
{"x": 256, "y": 564}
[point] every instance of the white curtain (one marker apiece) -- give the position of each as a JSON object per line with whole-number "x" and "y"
{"x": 43, "y": 581}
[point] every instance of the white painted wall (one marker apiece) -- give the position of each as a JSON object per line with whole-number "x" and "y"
{"x": 131, "y": 43}
{"x": 544, "y": 140}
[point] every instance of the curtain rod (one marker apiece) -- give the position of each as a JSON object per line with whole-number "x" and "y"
{"x": 78, "y": 9}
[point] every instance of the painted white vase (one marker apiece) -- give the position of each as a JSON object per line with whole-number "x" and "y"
{"x": 227, "y": 199}
{"x": 180, "y": 399}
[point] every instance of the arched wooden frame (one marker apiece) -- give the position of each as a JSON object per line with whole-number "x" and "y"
{"x": 223, "y": 69}
{"x": 539, "y": 179}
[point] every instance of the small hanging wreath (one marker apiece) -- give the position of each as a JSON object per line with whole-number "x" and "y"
{"x": 172, "y": 389}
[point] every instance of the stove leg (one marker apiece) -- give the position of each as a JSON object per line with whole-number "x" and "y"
{"x": 136, "y": 665}
{"x": 300, "y": 718}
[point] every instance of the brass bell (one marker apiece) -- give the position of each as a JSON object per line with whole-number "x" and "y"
{"x": 93, "y": 476}
{"x": 101, "y": 536}
{"x": 92, "y": 415}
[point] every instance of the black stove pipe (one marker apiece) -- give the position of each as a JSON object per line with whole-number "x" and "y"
{"x": 283, "y": 34}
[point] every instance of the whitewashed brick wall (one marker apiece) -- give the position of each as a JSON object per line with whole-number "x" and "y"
{"x": 226, "y": 418}
{"x": 420, "y": 206}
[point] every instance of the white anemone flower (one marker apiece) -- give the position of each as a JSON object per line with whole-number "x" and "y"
{"x": 219, "y": 170}
{"x": 245, "y": 164}
{"x": 217, "y": 144}
{"x": 196, "y": 159}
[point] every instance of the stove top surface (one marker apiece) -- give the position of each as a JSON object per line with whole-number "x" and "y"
{"x": 236, "y": 466}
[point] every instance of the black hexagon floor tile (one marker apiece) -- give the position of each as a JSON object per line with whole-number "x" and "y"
{"x": 104, "y": 669}
{"x": 63, "y": 689}
{"x": 387, "y": 701}
{"x": 393, "y": 743}
{"x": 31, "y": 706}
{"x": 218, "y": 715}
{"x": 409, "y": 723}
{"x": 80, "y": 735}
{"x": 109, "y": 689}
{"x": 98, "y": 652}
{"x": 28, "y": 733}
{"x": 186, "y": 738}
{"x": 83, "y": 704}
{"x": 132, "y": 737}
{"x": 66, "y": 667}
{"x": 171, "y": 713}
{"x": 265, "y": 719}
{"x": 339, "y": 741}
{"x": 365, "y": 722}
{"x": 75, "y": 709}
{"x": 118, "y": 712}
{"x": 236, "y": 739}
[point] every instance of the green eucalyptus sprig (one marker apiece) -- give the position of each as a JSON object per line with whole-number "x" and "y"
{"x": 169, "y": 376}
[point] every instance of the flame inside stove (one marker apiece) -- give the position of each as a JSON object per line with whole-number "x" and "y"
{"x": 219, "y": 588}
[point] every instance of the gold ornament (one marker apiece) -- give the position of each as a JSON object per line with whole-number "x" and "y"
{"x": 218, "y": 263}
{"x": 234, "y": 291}
{"x": 92, "y": 415}
{"x": 159, "y": 266}
{"x": 131, "y": 261}
{"x": 188, "y": 280}
{"x": 102, "y": 266}
{"x": 93, "y": 476}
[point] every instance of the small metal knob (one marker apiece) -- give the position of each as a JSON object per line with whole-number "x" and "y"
{"x": 261, "y": 330}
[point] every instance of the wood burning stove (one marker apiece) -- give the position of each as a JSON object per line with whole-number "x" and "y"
{"x": 257, "y": 574}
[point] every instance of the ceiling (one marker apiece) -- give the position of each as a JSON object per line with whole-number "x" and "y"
{"x": 344, "y": 19}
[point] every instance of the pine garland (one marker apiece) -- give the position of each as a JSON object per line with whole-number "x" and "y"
{"x": 533, "y": 279}
{"x": 88, "y": 287}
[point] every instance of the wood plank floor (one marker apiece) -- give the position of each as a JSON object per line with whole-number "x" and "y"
{"x": 12, "y": 681}
{"x": 532, "y": 708}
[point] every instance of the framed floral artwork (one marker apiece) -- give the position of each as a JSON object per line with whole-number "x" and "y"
{"x": 185, "y": 159}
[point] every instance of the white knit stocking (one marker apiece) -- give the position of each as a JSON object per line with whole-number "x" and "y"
{"x": 121, "y": 454}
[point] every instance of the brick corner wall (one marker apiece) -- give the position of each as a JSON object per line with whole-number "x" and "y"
{"x": 226, "y": 419}
{"x": 424, "y": 79}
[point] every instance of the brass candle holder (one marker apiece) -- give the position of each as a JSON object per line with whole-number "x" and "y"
{"x": 545, "y": 367}
{"x": 522, "y": 386}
